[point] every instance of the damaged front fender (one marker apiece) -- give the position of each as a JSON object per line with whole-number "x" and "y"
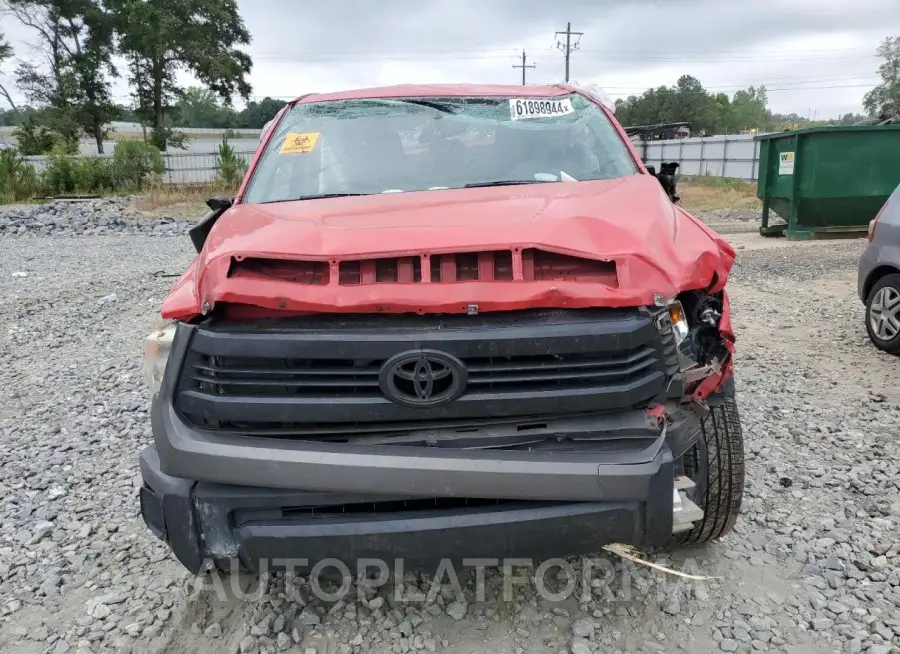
{"x": 708, "y": 348}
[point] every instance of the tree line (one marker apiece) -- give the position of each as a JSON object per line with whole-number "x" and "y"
{"x": 746, "y": 110}
{"x": 67, "y": 80}
{"x": 713, "y": 113}
{"x": 689, "y": 101}
{"x": 198, "y": 107}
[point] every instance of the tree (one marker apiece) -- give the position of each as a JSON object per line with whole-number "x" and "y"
{"x": 849, "y": 119}
{"x": 76, "y": 41}
{"x": 749, "y": 109}
{"x": 6, "y": 52}
{"x": 128, "y": 114}
{"x": 33, "y": 137}
{"x": 161, "y": 37}
{"x": 199, "y": 107}
{"x": 256, "y": 114}
{"x": 885, "y": 98}
{"x": 689, "y": 98}
{"x": 230, "y": 167}
{"x": 46, "y": 82}
{"x": 91, "y": 63}
{"x": 688, "y": 101}
{"x": 721, "y": 114}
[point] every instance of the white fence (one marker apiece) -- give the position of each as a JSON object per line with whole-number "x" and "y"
{"x": 719, "y": 156}
{"x": 181, "y": 167}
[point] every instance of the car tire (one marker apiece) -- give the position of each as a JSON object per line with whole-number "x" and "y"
{"x": 885, "y": 289}
{"x": 716, "y": 465}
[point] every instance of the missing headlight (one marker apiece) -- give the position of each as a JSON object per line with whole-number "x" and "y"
{"x": 701, "y": 351}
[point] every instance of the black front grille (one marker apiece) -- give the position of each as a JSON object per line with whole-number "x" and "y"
{"x": 324, "y": 378}
{"x": 553, "y": 371}
{"x": 239, "y": 376}
{"x": 321, "y": 375}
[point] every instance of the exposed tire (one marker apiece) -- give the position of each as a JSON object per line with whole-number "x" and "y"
{"x": 716, "y": 464}
{"x": 883, "y": 314}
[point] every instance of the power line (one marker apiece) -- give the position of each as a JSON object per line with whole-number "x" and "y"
{"x": 569, "y": 46}
{"x": 635, "y": 56}
{"x": 771, "y": 83}
{"x": 662, "y": 58}
{"x": 621, "y": 91}
{"x": 523, "y": 67}
{"x": 322, "y": 58}
{"x": 504, "y": 52}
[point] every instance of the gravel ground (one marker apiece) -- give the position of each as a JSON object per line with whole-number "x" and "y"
{"x": 79, "y": 218}
{"x": 813, "y": 566}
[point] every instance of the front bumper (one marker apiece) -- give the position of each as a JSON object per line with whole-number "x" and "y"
{"x": 219, "y": 495}
{"x": 290, "y": 500}
{"x": 421, "y": 472}
{"x": 260, "y": 528}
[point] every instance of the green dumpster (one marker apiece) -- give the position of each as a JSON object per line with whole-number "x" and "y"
{"x": 826, "y": 182}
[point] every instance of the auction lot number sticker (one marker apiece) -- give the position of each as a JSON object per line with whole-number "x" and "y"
{"x": 539, "y": 108}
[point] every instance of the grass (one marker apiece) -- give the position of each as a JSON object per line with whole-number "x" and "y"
{"x": 709, "y": 193}
{"x": 176, "y": 200}
{"x": 183, "y": 199}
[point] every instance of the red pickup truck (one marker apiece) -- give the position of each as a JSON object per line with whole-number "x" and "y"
{"x": 444, "y": 321}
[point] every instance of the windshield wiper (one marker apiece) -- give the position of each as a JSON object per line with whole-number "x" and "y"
{"x": 320, "y": 196}
{"x": 509, "y": 182}
{"x": 439, "y": 106}
{"x": 443, "y": 107}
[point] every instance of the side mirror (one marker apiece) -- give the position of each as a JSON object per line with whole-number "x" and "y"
{"x": 220, "y": 203}
{"x": 200, "y": 232}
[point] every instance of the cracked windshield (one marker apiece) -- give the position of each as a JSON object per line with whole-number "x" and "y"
{"x": 362, "y": 147}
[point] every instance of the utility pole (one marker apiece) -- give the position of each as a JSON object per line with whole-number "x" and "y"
{"x": 568, "y": 47}
{"x": 523, "y": 67}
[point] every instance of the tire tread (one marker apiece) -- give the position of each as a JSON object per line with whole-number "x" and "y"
{"x": 721, "y": 503}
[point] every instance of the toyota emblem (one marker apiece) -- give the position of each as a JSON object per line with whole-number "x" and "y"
{"x": 422, "y": 378}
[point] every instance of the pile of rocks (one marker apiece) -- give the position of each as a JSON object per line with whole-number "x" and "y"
{"x": 85, "y": 217}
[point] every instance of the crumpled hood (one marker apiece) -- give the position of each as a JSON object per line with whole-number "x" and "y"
{"x": 657, "y": 248}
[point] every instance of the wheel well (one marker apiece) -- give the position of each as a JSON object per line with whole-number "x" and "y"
{"x": 875, "y": 275}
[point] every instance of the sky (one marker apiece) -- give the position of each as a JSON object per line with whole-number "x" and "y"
{"x": 816, "y": 57}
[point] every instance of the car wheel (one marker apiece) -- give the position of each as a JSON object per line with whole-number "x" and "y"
{"x": 716, "y": 465}
{"x": 883, "y": 314}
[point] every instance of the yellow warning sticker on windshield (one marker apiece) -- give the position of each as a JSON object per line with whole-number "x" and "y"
{"x": 299, "y": 143}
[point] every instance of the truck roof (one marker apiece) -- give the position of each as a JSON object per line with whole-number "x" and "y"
{"x": 443, "y": 90}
